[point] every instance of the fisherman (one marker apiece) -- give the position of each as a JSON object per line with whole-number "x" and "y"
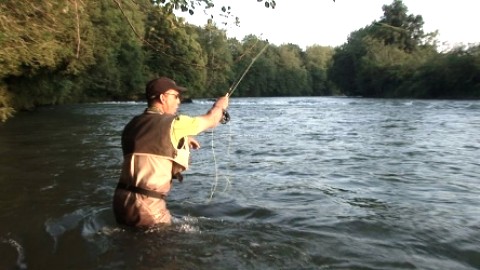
{"x": 155, "y": 149}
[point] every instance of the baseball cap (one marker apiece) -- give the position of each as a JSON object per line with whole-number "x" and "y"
{"x": 161, "y": 85}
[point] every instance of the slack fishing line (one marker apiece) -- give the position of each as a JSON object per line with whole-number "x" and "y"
{"x": 226, "y": 115}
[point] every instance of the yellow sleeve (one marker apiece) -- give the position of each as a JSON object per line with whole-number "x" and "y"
{"x": 184, "y": 126}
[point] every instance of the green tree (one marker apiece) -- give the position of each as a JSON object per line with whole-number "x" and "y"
{"x": 254, "y": 83}
{"x": 118, "y": 71}
{"x": 398, "y": 28}
{"x": 267, "y": 71}
{"x": 216, "y": 50}
{"x": 55, "y": 55}
{"x": 41, "y": 40}
{"x": 292, "y": 75}
{"x": 173, "y": 50}
{"x": 317, "y": 62}
{"x": 378, "y": 58}
{"x": 70, "y": 51}
{"x": 33, "y": 35}
{"x": 346, "y": 63}
{"x": 451, "y": 75}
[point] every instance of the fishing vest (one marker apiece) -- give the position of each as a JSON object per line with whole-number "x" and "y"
{"x": 150, "y": 134}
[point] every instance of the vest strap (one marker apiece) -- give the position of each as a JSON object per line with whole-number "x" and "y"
{"x": 146, "y": 192}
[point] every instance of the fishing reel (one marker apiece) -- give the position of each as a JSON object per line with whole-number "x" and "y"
{"x": 225, "y": 117}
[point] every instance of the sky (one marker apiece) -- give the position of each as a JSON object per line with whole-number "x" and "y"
{"x": 328, "y": 23}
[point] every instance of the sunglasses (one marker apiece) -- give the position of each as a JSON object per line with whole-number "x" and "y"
{"x": 177, "y": 96}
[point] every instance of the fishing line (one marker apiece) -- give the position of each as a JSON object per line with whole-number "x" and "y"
{"x": 225, "y": 119}
{"x": 215, "y": 164}
{"x": 214, "y": 186}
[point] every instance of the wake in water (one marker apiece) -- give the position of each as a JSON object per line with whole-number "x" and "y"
{"x": 94, "y": 222}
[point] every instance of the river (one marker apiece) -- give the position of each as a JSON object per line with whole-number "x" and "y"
{"x": 289, "y": 183}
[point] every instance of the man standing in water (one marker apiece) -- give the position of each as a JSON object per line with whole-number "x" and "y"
{"x": 155, "y": 149}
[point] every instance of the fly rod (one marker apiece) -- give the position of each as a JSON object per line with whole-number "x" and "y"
{"x": 226, "y": 115}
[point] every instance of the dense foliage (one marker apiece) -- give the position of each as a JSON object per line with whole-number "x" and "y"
{"x": 76, "y": 51}
{"x": 395, "y": 58}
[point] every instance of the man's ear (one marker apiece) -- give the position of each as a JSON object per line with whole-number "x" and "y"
{"x": 161, "y": 98}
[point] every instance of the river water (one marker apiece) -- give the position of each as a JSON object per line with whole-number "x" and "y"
{"x": 289, "y": 183}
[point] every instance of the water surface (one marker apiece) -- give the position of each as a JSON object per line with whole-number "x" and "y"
{"x": 289, "y": 183}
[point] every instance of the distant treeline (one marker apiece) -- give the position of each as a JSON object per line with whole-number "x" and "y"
{"x": 55, "y": 52}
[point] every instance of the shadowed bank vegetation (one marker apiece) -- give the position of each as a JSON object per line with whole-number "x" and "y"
{"x": 56, "y": 52}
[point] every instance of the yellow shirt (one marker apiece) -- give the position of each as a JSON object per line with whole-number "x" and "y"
{"x": 184, "y": 126}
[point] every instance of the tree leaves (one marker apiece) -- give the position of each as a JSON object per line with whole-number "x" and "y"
{"x": 394, "y": 58}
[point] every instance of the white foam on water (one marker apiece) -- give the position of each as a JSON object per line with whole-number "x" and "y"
{"x": 56, "y": 227}
{"x": 21, "y": 264}
{"x": 186, "y": 224}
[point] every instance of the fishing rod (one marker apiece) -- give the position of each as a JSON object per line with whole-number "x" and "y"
{"x": 226, "y": 116}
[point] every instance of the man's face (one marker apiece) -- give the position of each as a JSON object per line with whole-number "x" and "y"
{"x": 171, "y": 101}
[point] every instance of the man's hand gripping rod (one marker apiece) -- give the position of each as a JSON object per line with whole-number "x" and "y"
{"x": 226, "y": 116}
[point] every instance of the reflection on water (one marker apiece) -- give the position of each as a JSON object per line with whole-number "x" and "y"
{"x": 289, "y": 183}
